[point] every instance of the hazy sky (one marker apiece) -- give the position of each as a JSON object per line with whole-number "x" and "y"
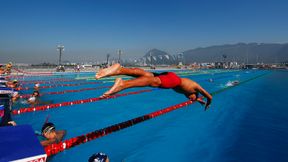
{"x": 89, "y": 29}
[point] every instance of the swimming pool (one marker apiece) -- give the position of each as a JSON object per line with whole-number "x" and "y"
{"x": 244, "y": 123}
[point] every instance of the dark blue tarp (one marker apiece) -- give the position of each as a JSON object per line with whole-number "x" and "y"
{"x": 19, "y": 142}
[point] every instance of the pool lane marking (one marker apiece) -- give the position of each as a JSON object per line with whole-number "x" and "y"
{"x": 62, "y": 85}
{"x": 43, "y": 74}
{"x": 49, "y": 81}
{"x": 69, "y": 143}
{"x": 31, "y": 74}
{"x": 66, "y": 91}
{"x": 76, "y": 102}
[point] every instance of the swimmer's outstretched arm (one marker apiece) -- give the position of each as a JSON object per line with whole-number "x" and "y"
{"x": 206, "y": 95}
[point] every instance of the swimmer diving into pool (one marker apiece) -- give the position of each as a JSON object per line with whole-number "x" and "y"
{"x": 144, "y": 78}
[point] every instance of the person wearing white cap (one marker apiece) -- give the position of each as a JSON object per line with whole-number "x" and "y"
{"x": 14, "y": 84}
{"x": 15, "y": 96}
{"x": 34, "y": 98}
{"x": 8, "y": 68}
{"x": 36, "y": 87}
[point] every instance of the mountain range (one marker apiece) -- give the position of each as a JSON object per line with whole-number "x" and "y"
{"x": 241, "y": 52}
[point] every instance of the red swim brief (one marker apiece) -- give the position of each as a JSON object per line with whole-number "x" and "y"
{"x": 169, "y": 80}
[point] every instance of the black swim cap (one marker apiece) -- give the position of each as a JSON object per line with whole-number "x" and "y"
{"x": 37, "y": 93}
{"x": 47, "y": 127}
{"x": 98, "y": 157}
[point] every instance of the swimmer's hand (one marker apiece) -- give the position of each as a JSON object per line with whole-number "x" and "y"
{"x": 104, "y": 96}
{"x": 12, "y": 123}
{"x": 207, "y": 104}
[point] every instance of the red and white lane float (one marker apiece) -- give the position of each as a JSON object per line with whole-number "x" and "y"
{"x": 64, "y": 145}
{"x": 60, "y": 85}
{"x": 50, "y": 81}
{"x": 33, "y": 73}
{"x": 66, "y": 91}
{"x": 76, "y": 102}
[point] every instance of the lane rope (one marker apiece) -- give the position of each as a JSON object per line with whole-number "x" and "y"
{"x": 61, "y": 85}
{"x": 66, "y": 144}
{"x": 66, "y": 91}
{"x": 42, "y": 74}
{"x": 76, "y": 102}
{"x": 55, "y": 80}
{"x": 35, "y": 73}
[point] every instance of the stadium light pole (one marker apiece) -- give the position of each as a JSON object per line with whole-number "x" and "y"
{"x": 119, "y": 53}
{"x": 107, "y": 56}
{"x": 60, "y": 48}
{"x": 150, "y": 54}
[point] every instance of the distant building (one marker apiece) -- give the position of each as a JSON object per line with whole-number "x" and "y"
{"x": 285, "y": 63}
{"x": 233, "y": 65}
{"x": 227, "y": 65}
{"x": 219, "y": 65}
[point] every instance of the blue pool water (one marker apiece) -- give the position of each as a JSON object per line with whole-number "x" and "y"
{"x": 248, "y": 122}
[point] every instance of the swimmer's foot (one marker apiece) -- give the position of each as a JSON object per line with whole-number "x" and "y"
{"x": 116, "y": 88}
{"x": 108, "y": 71}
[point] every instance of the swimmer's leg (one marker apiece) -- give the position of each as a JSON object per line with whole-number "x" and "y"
{"x": 112, "y": 70}
{"x": 116, "y": 69}
{"x": 135, "y": 72}
{"x": 138, "y": 82}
